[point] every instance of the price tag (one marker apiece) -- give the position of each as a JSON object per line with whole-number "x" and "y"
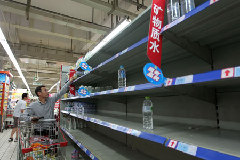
{"x": 130, "y": 88}
{"x": 114, "y": 91}
{"x": 135, "y": 133}
{"x": 91, "y": 156}
{"x": 113, "y": 126}
{"x": 168, "y": 82}
{"x": 124, "y": 51}
{"x": 227, "y": 73}
{"x": 189, "y": 149}
{"x": 172, "y": 144}
{"x": 104, "y": 92}
{"x": 237, "y": 72}
{"x": 129, "y": 131}
{"x": 184, "y": 80}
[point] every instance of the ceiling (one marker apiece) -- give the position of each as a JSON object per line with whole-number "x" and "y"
{"x": 45, "y": 34}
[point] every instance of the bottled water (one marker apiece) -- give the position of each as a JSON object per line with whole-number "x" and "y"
{"x": 147, "y": 112}
{"x": 187, "y": 6}
{"x": 121, "y": 77}
{"x": 173, "y": 10}
{"x": 74, "y": 123}
{"x": 69, "y": 123}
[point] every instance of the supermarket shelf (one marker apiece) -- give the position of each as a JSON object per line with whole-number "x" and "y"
{"x": 204, "y": 24}
{"x": 197, "y": 27}
{"x": 99, "y": 147}
{"x": 210, "y": 79}
{"x": 137, "y": 133}
{"x": 215, "y": 144}
{"x": 132, "y": 58}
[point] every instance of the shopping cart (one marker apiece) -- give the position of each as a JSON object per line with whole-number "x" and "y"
{"x": 40, "y": 140}
{"x": 9, "y": 118}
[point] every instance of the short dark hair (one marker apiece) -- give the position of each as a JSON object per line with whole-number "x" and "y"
{"x": 24, "y": 95}
{"x": 38, "y": 89}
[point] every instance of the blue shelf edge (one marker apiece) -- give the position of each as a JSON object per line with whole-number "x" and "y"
{"x": 145, "y": 39}
{"x": 227, "y": 73}
{"x": 80, "y": 145}
{"x": 177, "y": 145}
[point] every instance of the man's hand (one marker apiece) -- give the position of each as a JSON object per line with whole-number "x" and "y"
{"x": 34, "y": 119}
{"x": 72, "y": 79}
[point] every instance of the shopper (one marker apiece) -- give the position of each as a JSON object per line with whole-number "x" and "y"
{"x": 44, "y": 106}
{"x": 20, "y": 107}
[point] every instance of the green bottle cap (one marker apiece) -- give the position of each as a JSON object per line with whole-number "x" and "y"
{"x": 147, "y": 98}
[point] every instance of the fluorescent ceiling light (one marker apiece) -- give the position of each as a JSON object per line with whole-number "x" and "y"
{"x": 107, "y": 39}
{"x": 53, "y": 86}
{"x": 13, "y": 59}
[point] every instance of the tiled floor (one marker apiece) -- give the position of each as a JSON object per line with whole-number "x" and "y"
{"x": 8, "y": 150}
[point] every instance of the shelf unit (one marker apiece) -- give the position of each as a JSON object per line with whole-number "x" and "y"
{"x": 196, "y": 110}
{"x": 98, "y": 147}
{"x": 4, "y": 92}
{"x": 179, "y": 133}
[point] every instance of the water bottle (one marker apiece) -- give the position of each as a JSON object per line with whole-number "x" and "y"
{"x": 187, "y": 6}
{"x": 74, "y": 123}
{"x": 121, "y": 77}
{"x": 147, "y": 112}
{"x": 173, "y": 10}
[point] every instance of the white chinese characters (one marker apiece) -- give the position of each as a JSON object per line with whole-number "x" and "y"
{"x": 154, "y": 47}
{"x": 155, "y": 33}
{"x": 83, "y": 91}
{"x": 156, "y": 9}
{"x": 84, "y": 66}
{"x": 156, "y": 22}
{"x": 153, "y": 73}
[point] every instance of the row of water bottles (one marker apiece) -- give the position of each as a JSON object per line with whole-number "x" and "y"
{"x": 73, "y": 123}
{"x": 81, "y": 108}
{"x": 178, "y": 8}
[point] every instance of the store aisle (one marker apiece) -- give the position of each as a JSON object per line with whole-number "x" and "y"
{"x": 8, "y": 150}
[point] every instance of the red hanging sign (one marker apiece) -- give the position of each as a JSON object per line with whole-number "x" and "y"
{"x": 154, "y": 50}
{"x": 72, "y": 90}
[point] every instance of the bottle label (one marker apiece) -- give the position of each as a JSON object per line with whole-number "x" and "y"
{"x": 123, "y": 74}
{"x": 147, "y": 108}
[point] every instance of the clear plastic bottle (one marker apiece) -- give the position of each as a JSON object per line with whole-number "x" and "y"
{"x": 173, "y": 10}
{"x": 186, "y": 6}
{"x": 147, "y": 112}
{"x": 121, "y": 77}
{"x": 74, "y": 123}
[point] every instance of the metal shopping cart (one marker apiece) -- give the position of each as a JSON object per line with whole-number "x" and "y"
{"x": 40, "y": 140}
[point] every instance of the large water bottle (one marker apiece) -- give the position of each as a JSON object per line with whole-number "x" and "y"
{"x": 187, "y": 6}
{"x": 173, "y": 10}
{"x": 121, "y": 77}
{"x": 147, "y": 112}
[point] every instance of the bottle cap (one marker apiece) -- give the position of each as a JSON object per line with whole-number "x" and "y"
{"x": 147, "y": 98}
{"x": 121, "y": 67}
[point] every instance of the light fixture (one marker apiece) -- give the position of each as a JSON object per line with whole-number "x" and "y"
{"x": 53, "y": 86}
{"x": 13, "y": 59}
{"x": 108, "y": 38}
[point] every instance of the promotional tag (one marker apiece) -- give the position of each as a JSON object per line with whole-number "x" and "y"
{"x": 85, "y": 66}
{"x": 83, "y": 91}
{"x": 153, "y": 74}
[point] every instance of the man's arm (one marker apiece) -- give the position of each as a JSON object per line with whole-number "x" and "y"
{"x": 64, "y": 89}
{"x": 23, "y": 107}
